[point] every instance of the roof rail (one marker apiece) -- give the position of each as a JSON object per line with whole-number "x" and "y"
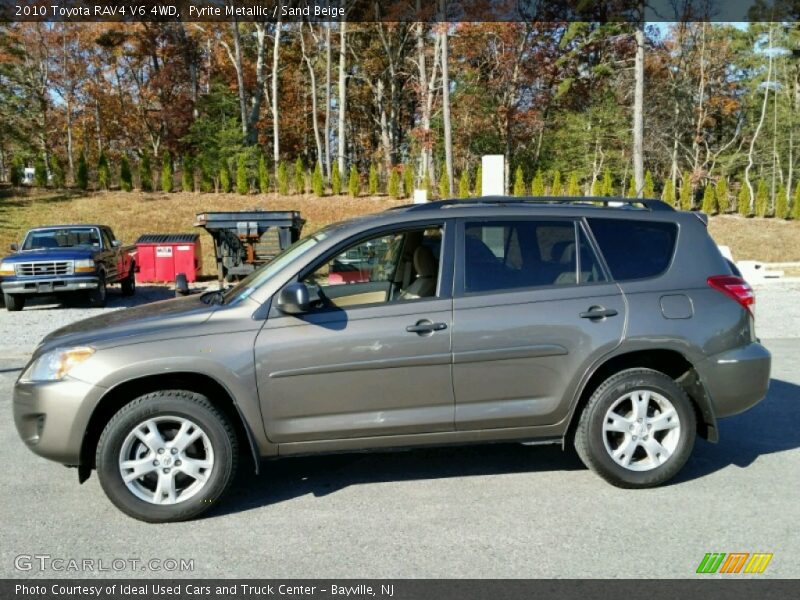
{"x": 645, "y": 203}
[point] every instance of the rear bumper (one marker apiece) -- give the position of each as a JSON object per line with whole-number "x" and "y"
{"x": 49, "y": 286}
{"x": 736, "y": 380}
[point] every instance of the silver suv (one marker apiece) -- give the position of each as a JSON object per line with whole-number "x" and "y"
{"x": 610, "y": 323}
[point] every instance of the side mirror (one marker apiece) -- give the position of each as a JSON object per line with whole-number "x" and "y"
{"x": 116, "y": 243}
{"x": 294, "y": 299}
{"x": 14, "y": 247}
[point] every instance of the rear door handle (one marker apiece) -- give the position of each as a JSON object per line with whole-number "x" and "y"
{"x": 425, "y": 326}
{"x": 598, "y": 312}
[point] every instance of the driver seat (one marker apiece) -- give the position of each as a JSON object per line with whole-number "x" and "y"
{"x": 424, "y": 286}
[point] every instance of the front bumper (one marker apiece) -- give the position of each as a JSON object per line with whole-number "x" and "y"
{"x": 52, "y": 417}
{"x": 55, "y": 285}
{"x": 738, "y": 379}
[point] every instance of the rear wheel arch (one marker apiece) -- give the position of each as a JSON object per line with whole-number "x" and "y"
{"x": 120, "y": 395}
{"x": 671, "y": 362}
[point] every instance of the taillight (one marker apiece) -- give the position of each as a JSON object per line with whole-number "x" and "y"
{"x": 734, "y": 287}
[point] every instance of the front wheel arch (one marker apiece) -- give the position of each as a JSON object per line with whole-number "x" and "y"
{"x": 120, "y": 395}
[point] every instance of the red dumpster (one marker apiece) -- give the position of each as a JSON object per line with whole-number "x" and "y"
{"x": 161, "y": 256}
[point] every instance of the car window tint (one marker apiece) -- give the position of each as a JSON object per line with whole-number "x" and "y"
{"x": 635, "y": 249}
{"x": 518, "y": 254}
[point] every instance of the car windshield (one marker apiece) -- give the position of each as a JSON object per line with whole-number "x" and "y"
{"x": 260, "y": 276}
{"x": 73, "y": 237}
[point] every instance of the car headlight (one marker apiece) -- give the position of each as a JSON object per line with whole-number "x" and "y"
{"x": 54, "y": 365}
{"x": 85, "y": 265}
{"x": 6, "y": 269}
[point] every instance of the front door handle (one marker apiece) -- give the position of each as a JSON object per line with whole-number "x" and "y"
{"x": 425, "y": 326}
{"x": 596, "y": 313}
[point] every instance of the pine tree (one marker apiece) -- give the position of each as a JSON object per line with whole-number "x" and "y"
{"x": 166, "y": 172}
{"x": 56, "y": 172}
{"x": 519, "y": 182}
{"x": 463, "y": 184}
{"x": 796, "y": 203}
{"x": 537, "y": 184}
{"x": 631, "y": 193}
{"x": 103, "y": 172}
{"x": 354, "y": 182}
{"x": 444, "y": 183}
{"x": 687, "y": 194}
{"x": 125, "y": 175}
{"x": 393, "y": 185}
{"x": 427, "y": 185}
{"x": 723, "y": 202}
{"x": 242, "y": 181}
{"x": 669, "y": 193}
{"x": 283, "y": 179}
{"x": 709, "y": 200}
{"x": 408, "y": 181}
{"x": 263, "y": 175}
{"x": 573, "y": 185}
{"x": 82, "y": 174}
{"x": 555, "y": 187}
{"x": 608, "y": 183}
{"x": 781, "y": 204}
{"x": 649, "y": 187}
{"x": 318, "y": 182}
{"x": 336, "y": 181}
{"x": 299, "y": 176}
{"x": 743, "y": 200}
{"x": 224, "y": 177}
{"x": 478, "y": 189}
{"x": 40, "y": 171}
{"x": 206, "y": 176}
{"x": 597, "y": 187}
{"x": 762, "y": 199}
{"x": 187, "y": 174}
{"x": 15, "y": 176}
{"x": 373, "y": 180}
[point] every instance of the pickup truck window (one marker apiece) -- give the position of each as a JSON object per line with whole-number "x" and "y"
{"x": 41, "y": 239}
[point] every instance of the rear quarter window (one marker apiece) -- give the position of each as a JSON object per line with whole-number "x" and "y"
{"x": 635, "y": 249}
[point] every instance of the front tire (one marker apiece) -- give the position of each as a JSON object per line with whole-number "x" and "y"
{"x": 14, "y": 302}
{"x": 167, "y": 456}
{"x": 637, "y": 430}
{"x": 98, "y": 297}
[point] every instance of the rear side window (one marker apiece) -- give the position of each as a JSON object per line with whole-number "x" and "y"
{"x": 635, "y": 249}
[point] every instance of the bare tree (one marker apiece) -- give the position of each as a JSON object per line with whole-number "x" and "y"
{"x": 638, "y": 106}
{"x": 750, "y": 152}
{"x": 342, "y": 96}
{"x": 448, "y": 135}
{"x": 313, "y": 85}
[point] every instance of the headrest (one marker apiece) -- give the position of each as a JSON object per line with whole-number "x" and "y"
{"x": 424, "y": 262}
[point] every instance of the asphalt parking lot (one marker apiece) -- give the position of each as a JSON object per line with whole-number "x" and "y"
{"x": 503, "y": 510}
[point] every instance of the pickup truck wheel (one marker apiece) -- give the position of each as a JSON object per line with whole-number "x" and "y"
{"x": 167, "y": 456}
{"x": 129, "y": 284}
{"x": 637, "y": 430}
{"x": 99, "y": 296}
{"x": 14, "y": 302}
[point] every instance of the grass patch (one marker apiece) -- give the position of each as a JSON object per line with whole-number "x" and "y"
{"x": 133, "y": 214}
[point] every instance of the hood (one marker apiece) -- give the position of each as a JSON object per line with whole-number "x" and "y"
{"x": 159, "y": 320}
{"x": 50, "y": 254}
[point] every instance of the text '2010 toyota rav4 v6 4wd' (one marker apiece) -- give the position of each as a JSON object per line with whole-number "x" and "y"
{"x": 540, "y": 320}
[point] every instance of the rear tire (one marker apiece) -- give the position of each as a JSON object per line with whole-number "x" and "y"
{"x": 14, "y": 302}
{"x": 129, "y": 284}
{"x": 637, "y": 430}
{"x": 184, "y": 449}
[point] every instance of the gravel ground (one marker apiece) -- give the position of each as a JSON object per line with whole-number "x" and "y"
{"x": 778, "y": 309}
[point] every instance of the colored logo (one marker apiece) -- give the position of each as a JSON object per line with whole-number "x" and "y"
{"x": 734, "y": 562}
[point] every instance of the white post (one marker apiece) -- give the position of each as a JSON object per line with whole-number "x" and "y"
{"x": 493, "y": 175}
{"x": 420, "y": 196}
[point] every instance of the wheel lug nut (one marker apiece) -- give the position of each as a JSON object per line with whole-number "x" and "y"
{"x": 634, "y": 438}
{"x": 166, "y": 470}
{"x": 156, "y": 463}
{"x": 161, "y": 450}
{"x": 174, "y": 450}
{"x": 178, "y": 463}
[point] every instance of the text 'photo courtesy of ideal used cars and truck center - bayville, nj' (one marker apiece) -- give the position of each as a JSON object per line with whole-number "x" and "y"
{"x": 399, "y": 299}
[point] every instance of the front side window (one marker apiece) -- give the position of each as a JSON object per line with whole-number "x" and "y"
{"x": 526, "y": 253}
{"x": 389, "y": 267}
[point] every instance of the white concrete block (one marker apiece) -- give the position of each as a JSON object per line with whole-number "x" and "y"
{"x": 493, "y": 173}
